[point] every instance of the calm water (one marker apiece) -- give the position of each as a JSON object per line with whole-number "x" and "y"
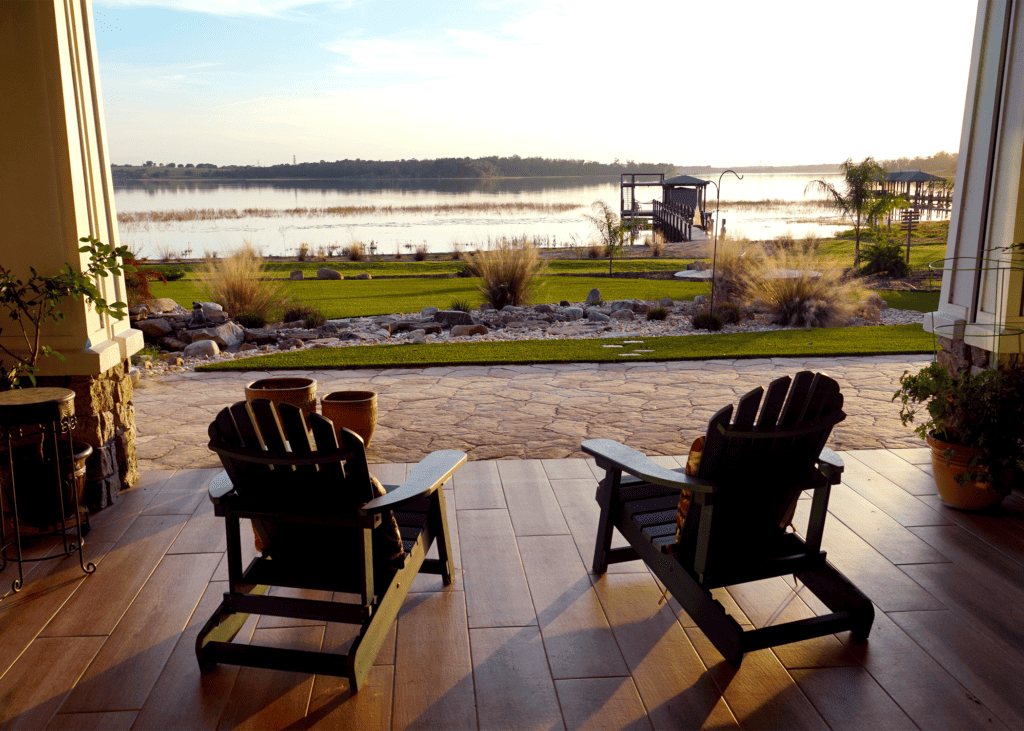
{"x": 399, "y": 232}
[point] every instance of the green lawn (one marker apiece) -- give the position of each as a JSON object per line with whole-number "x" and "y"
{"x": 360, "y": 298}
{"x": 819, "y": 342}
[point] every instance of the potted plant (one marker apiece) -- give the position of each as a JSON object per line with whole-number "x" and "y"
{"x": 973, "y": 426}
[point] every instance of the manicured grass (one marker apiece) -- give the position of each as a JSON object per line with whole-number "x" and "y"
{"x": 361, "y": 298}
{"x": 917, "y": 301}
{"x": 880, "y": 340}
{"x": 449, "y": 266}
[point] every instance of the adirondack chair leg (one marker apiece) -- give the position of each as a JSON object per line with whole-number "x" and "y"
{"x": 439, "y": 527}
{"x": 837, "y": 593}
{"x": 220, "y": 628}
{"x": 606, "y": 490}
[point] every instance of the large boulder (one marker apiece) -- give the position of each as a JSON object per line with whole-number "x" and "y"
{"x": 154, "y": 327}
{"x": 260, "y": 335}
{"x": 595, "y": 316}
{"x": 573, "y": 313}
{"x": 410, "y": 325}
{"x": 160, "y": 305}
{"x": 453, "y": 317}
{"x": 214, "y": 312}
{"x": 202, "y": 349}
{"x": 429, "y": 311}
{"x": 228, "y": 335}
{"x": 297, "y": 274}
{"x": 594, "y": 298}
{"x": 461, "y": 331}
{"x": 326, "y": 273}
{"x": 622, "y": 314}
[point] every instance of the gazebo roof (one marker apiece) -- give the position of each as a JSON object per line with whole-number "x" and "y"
{"x": 681, "y": 180}
{"x": 911, "y": 176}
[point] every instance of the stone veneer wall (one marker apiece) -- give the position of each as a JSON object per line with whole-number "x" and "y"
{"x": 105, "y": 419}
{"x": 957, "y": 356}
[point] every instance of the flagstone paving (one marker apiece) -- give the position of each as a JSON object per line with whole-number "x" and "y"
{"x": 530, "y": 411}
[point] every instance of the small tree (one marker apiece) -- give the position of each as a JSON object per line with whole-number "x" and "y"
{"x": 860, "y": 200}
{"x": 611, "y": 230}
{"x": 33, "y": 302}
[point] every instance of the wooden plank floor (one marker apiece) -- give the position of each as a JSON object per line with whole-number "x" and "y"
{"x": 528, "y": 636}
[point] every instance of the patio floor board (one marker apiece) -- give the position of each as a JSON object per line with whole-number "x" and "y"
{"x": 528, "y": 636}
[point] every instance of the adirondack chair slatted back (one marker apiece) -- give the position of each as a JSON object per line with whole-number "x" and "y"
{"x": 284, "y": 431}
{"x": 760, "y": 465}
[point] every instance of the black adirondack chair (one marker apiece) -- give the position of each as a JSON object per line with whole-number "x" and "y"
{"x": 314, "y": 507}
{"x": 743, "y": 496}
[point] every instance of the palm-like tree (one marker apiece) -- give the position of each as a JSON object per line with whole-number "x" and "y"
{"x": 861, "y": 200}
{"x": 612, "y": 231}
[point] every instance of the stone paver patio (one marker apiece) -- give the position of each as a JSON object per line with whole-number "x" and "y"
{"x": 532, "y": 411}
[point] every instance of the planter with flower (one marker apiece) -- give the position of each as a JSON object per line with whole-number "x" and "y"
{"x": 973, "y": 425}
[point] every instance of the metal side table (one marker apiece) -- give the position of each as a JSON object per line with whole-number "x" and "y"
{"x": 46, "y": 413}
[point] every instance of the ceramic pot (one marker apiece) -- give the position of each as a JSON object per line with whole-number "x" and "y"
{"x": 285, "y": 390}
{"x": 355, "y": 410}
{"x": 971, "y": 495}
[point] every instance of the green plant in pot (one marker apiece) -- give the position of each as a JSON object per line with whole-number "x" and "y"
{"x": 974, "y": 427}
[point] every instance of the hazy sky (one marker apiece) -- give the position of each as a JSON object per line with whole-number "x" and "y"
{"x": 717, "y": 82}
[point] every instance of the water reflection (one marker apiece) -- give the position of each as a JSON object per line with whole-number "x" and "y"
{"x": 788, "y": 213}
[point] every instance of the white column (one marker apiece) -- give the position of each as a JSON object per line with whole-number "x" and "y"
{"x": 55, "y": 184}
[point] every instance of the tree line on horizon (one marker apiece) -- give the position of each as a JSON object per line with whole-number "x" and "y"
{"x": 941, "y": 163}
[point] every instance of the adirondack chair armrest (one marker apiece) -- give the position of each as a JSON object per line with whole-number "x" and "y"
{"x": 638, "y": 464}
{"x": 831, "y": 465}
{"x": 220, "y": 487}
{"x": 424, "y": 478}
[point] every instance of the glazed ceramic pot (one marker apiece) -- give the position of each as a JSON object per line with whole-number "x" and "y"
{"x": 355, "y": 410}
{"x": 285, "y": 390}
{"x": 950, "y": 460}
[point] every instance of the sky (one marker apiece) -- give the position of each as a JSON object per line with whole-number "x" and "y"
{"x": 718, "y": 82}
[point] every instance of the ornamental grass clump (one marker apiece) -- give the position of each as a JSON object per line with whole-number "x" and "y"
{"x": 508, "y": 273}
{"x": 737, "y": 262}
{"x": 800, "y": 291}
{"x": 237, "y": 283}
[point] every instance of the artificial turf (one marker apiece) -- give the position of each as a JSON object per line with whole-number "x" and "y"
{"x": 878, "y": 340}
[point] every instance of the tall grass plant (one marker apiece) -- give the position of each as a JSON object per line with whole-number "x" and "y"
{"x": 238, "y": 285}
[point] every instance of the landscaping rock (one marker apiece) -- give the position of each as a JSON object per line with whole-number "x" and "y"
{"x": 246, "y": 347}
{"x": 546, "y": 309}
{"x": 202, "y": 349}
{"x": 698, "y": 265}
{"x": 172, "y": 359}
{"x": 429, "y": 311}
{"x": 565, "y": 303}
{"x": 328, "y": 329}
{"x": 595, "y": 316}
{"x": 461, "y": 331}
{"x": 173, "y": 343}
{"x": 289, "y": 343}
{"x": 163, "y": 304}
{"x": 666, "y": 302}
{"x": 297, "y": 274}
{"x": 418, "y": 337}
{"x": 622, "y": 315}
{"x": 573, "y": 313}
{"x": 305, "y": 334}
{"x": 700, "y": 299}
{"x": 260, "y": 335}
{"x": 154, "y": 327}
{"x": 328, "y": 274}
{"x": 364, "y": 275}
{"x": 594, "y": 298}
{"x": 139, "y": 312}
{"x": 453, "y": 317}
{"x": 410, "y": 325}
{"x": 228, "y": 335}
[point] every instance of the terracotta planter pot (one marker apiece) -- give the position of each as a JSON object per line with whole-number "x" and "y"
{"x": 355, "y": 410}
{"x": 298, "y": 391}
{"x": 971, "y": 495}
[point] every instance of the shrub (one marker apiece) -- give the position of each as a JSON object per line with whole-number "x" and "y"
{"x": 595, "y": 252}
{"x": 137, "y": 279}
{"x": 508, "y": 273}
{"x": 310, "y": 316}
{"x": 817, "y": 296}
{"x": 657, "y": 313}
{"x": 237, "y": 283}
{"x": 356, "y": 251}
{"x": 656, "y": 243}
{"x": 735, "y": 262}
{"x": 251, "y": 319}
{"x": 707, "y": 321}
{"x": 885, "y": 256}
{"x": 421, "y": 253}
{"x": 303, "y": 253}
{"x": 173, "y": 275}
{"x": 730, "y": 313}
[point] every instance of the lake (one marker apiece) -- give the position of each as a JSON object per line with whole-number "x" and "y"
{"x": 399, "y": 231}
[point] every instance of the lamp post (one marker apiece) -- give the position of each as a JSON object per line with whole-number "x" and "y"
{"x": 714, "y": 250}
